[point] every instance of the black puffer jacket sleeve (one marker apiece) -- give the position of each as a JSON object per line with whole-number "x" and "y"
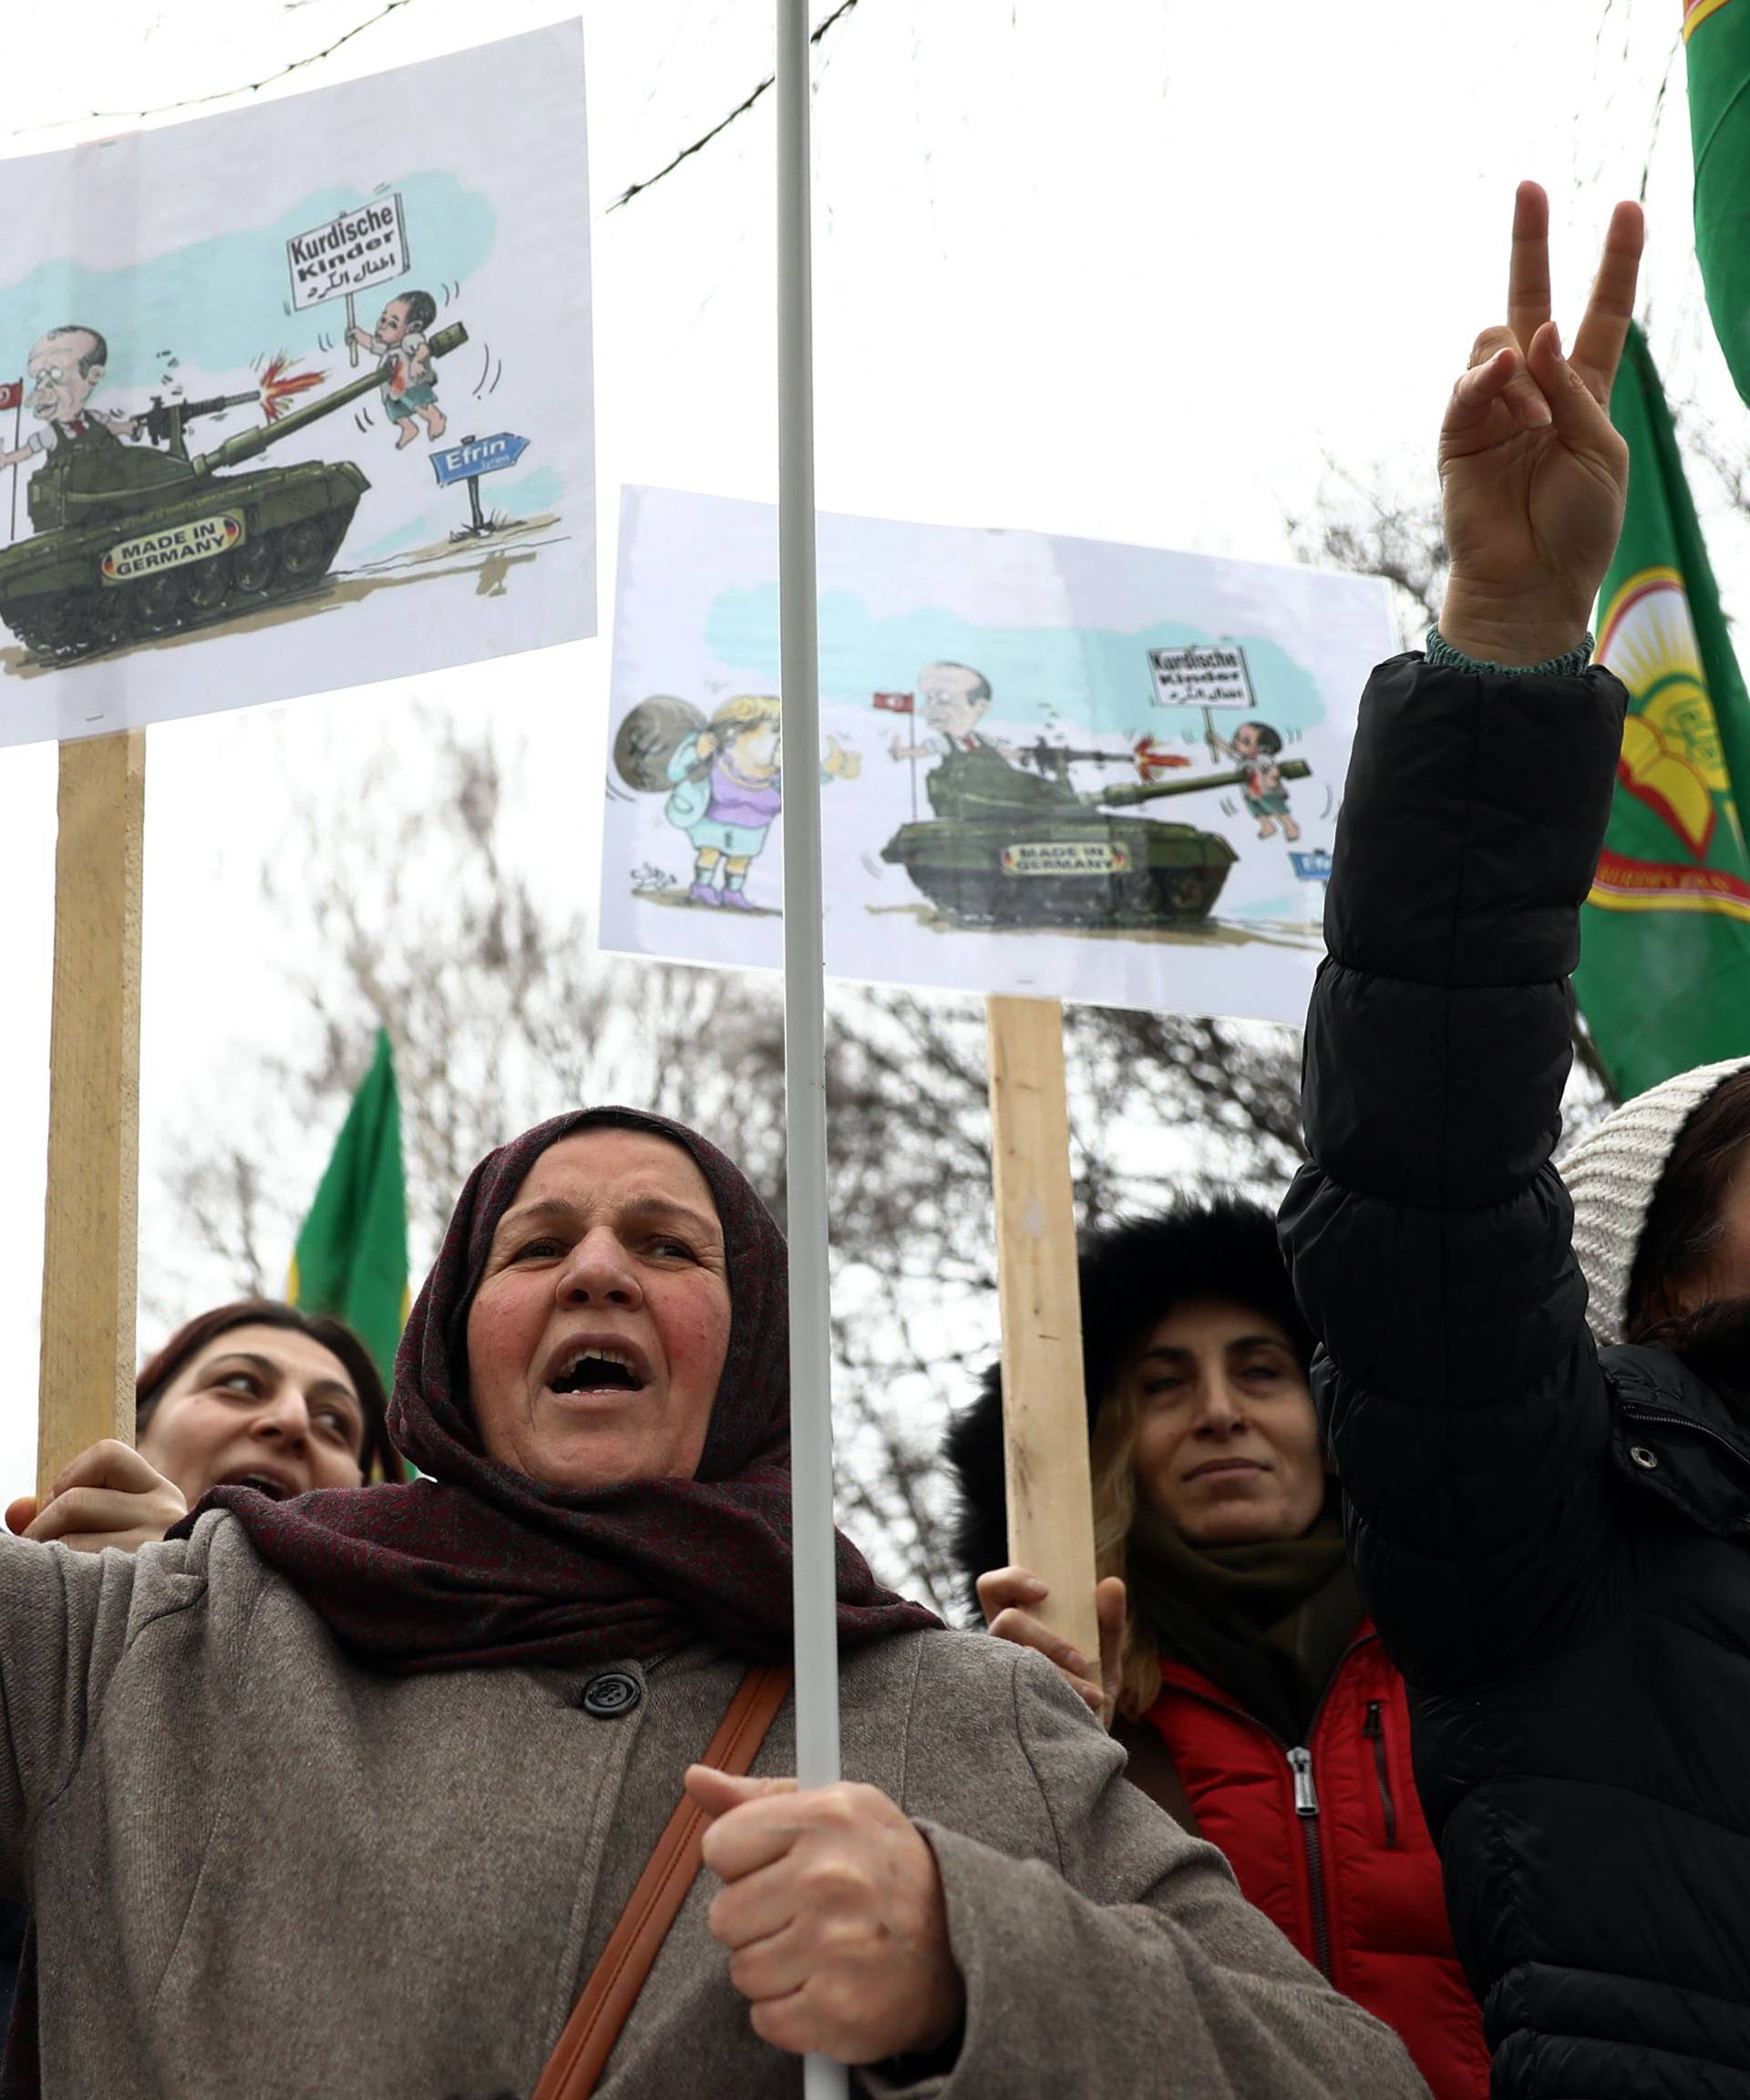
{"x": 1429, "y": 1236}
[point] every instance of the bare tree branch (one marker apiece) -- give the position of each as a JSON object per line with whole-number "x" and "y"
{"x": 1358, "y": 525}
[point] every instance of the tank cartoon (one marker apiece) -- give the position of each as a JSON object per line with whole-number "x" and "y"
{"x": 1012, "y": 847}
{"x": 130, "y": 543}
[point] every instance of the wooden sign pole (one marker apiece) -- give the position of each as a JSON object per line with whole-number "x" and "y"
{"x": 90, "y": 1245}
{"x": 1044, "y": 1416}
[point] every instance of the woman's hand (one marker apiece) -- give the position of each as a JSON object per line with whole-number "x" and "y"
{"x": 832, "y": 1912}
{"x": 108, "y": 1496}
{"x": 1533, "y": 475}
{"x": 1010, "y": 1596}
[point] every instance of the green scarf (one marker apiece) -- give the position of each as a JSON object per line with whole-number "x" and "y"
{"x": 1268, "y": 1622}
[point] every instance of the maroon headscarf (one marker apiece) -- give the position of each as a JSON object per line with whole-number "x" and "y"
{"x": 480, "y": 1564}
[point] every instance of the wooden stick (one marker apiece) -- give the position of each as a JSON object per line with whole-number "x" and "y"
{"x": 1044, "y": 1416}
{"x": 89, "y": 1246}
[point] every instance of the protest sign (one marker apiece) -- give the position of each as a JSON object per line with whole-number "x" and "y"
{"x": 1205, "y": 677}
{"x": 217, "y": 510}
{"x": 1050, "y": 767}
{"x": 351, "y": 253}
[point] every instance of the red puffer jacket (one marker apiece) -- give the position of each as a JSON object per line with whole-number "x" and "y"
{"x": 1328, "y": 1840}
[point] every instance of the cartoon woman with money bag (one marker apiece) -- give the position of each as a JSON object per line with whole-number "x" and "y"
{"x": 728, "y": 789}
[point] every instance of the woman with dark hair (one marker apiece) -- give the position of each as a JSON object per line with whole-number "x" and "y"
{"x": 396, "y": 1760}
{"x": 254, "y": 1392}
{"x": 1538, "y": 1396}
{"x": 1237, "y": 1669}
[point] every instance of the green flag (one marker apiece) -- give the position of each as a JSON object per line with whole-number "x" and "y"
{"x": 352, "y": 1254}
{"x": 1716, "y": 35}
{"x": 1664, "y": 974}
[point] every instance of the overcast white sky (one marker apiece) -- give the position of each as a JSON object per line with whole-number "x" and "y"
{"x": 1132, "y": 270}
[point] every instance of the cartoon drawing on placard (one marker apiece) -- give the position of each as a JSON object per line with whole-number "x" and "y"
{"x": 1257, "y": 749}
{"x": 134, "y": 542}
{"x": 1073, "y": 738}
{"x": 725, "y": 778}
{"x": 1020, "y": 845}
{"x": 66, "y": 368}
{"x": 152, "y": 515}
{"x": 1012, "y": 840}
{"x": 956, "y": 698}
{"x": 409, "y": 379}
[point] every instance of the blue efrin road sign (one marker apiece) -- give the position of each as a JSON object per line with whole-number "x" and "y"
{"x": 477, "y": 456}
{"x": 1314, "y": 866}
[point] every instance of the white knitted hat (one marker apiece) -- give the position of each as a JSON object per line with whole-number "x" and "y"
{"x": 1613, "y": 1174}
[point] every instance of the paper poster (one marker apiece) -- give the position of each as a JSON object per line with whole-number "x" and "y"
{"x": 1048, "y": 766}
{"x": 298, "y": 396}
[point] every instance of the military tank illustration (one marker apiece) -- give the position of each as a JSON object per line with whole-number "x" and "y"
{"x": 1012, "y": 847}
{"x": 130, "y": 541}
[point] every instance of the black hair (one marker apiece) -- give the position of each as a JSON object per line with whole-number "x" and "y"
{"x": 1687, "y": 1220}
{"x": 1269, "y": 739}
{"x": 1221, "y": 1250}
{"x": 376, "y": 1452}
{"x": 422, "y": 309}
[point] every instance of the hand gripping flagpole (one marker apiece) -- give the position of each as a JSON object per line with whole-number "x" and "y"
{"x": 804, "y": 1070}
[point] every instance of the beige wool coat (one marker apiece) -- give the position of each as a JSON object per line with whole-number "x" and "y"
{"x": 259, "y": 1871}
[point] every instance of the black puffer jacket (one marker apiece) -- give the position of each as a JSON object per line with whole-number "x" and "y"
{"x": 1553, "y": 1542}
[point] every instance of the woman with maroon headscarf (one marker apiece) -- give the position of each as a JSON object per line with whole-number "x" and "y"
{"x": 345, "y": 1794}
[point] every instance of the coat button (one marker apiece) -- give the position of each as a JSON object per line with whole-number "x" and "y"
{"x": 611, "y": 1693}
{"x": 1643, "y": 1456}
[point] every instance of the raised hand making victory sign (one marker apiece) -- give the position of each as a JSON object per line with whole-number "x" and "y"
{"x": 1548, "y": 1527}
{"x": 1533, "y": 476}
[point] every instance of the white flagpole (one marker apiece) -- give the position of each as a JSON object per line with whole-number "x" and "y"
{"x": 804, "y": 1068}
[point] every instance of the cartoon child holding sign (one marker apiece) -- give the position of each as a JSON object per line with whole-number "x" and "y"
{"x": 1255, "y": 747}
{"x": 410, "y": 386}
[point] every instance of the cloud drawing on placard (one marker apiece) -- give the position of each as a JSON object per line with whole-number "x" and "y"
{"x": 1040, "y": 676}
{"x": 223, "y": 301}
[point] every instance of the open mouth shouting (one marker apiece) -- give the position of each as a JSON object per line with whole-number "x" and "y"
{"x": 593, "y": 1366}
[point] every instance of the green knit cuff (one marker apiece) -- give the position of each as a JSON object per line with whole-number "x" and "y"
{"x": 1441, "y": 653}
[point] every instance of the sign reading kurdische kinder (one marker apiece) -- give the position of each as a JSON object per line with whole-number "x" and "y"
{"x": 353, "y": 250}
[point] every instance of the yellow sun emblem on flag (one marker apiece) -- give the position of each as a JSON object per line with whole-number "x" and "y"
{"x": 1672, "y": 756}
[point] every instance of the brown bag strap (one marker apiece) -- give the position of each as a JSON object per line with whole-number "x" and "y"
{"x": 583, "y": 2049}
